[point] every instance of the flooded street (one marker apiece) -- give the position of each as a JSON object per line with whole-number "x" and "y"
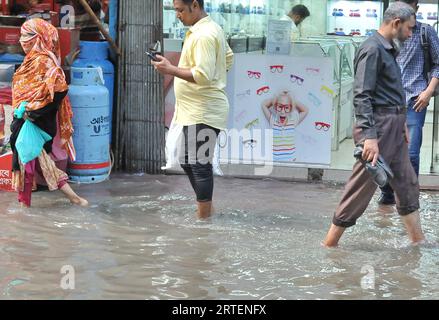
{"x": 140, "y": 240}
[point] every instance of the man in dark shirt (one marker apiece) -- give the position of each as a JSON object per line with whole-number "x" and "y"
{"x": 380, "y": 111}
{"x": 419, "y": 89}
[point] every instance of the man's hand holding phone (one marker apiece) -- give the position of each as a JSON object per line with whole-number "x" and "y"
{"x": 151, "y": 55}
{"x": 162, "y": 65}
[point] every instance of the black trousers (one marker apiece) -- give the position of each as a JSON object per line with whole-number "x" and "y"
{"x": 198, "y": 146}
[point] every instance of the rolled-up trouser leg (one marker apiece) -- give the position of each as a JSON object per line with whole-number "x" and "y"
{"x": 201, "y": 177}
{"x": 405, "y": 181}
{"x": 198, "y": 145}
{"x": 394, "y": 149}
{"x": 356, "y": 197}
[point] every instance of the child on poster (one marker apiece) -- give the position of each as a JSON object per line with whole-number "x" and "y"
{"x": 284, "y": 114}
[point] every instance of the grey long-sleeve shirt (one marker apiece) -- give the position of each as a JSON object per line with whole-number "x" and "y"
{"x": 378, "y": 82}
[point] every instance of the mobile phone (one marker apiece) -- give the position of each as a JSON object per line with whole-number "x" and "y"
{"x": 151, "y": 55}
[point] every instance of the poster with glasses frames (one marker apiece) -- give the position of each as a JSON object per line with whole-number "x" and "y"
{"x": 280, "y": 111}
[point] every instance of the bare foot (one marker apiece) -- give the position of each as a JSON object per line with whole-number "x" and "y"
{"x": 80, "y": 202}
{"x": 386, "y": 209}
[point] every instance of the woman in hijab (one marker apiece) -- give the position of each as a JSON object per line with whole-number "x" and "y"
{"x": 39, "y": 89}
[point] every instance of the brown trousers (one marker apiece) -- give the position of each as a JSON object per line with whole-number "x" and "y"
{"x": 390, "y": 125}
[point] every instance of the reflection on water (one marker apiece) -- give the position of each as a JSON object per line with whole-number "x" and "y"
{"x": 140, "y": 240}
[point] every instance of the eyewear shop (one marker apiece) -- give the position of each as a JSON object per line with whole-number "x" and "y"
{"x": 291, "y": 87}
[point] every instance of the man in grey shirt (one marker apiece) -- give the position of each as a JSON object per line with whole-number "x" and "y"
{"x": 380, "y": 111}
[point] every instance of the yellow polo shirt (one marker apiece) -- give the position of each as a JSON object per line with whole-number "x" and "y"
{"x": 207, "y": 54}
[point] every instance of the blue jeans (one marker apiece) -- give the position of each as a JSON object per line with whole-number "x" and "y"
{"x": 415, "y": 124}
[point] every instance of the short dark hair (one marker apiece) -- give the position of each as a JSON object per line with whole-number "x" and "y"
{"x": 300, "y": 10}
{"x": 189, "y": 2}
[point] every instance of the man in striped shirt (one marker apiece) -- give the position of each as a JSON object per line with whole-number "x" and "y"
{"x": 418, "y": 90}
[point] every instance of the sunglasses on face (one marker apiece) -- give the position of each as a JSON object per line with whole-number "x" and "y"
{"x": 263, "y": 90}
{"x": 253, "y": 74}
{"x": 297, "y": 79}
{"x": 285, "y": 107}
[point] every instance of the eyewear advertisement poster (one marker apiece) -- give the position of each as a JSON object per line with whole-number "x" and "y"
{"x": 281, "y": 111}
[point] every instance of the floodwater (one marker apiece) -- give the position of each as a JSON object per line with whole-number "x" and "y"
{"x": 140, "y": 240}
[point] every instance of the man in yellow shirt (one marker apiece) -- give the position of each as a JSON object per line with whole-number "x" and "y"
{"x": 201, "y": 102}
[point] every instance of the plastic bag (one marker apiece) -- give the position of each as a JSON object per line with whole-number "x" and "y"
{"x": 172, "y": 150}
{"x": 216, "y": 161}
{"x": 173, "y": 141}
{"x": 30, "y": 142}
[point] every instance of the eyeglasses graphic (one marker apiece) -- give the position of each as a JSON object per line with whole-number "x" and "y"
{"x": 322, "y": 126}
{"x": 250, "y": 144}
{"x": 285, "y": 107}
{"x": 244, "y": 94}
{"x": 327, "y": 91}
{"x": 252, "y": 124}
{"x": 278, "y": 68}
{"x": 313, "y": 70}
{"x": 337, "y": 12}
{"x": 263, "y": 90}
{"x": 254, "y": 74}
{"x": 316, "y": 101}
{"x": 296, "y": 79}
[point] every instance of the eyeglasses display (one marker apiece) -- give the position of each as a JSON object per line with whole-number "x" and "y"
{"x": 372, "y": 13}
{"x": 339, "y": 32}
{"x": 341, "y": 50}
{"x": 322, "y": 126}
{"x": 358, "y": 18}
{"x": 278, "y": 69}
{"x": 254, "y": 74}
{"x": 296, "y": 79}
{"x": 427, "y": 13}
{"x": 337, "y": 12}
{"x": 261, "y": 91}
{"x": 238, "y": 18}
